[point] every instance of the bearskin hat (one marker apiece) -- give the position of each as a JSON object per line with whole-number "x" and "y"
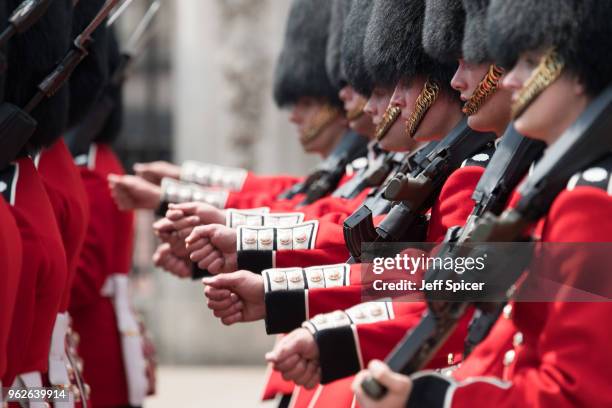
{"x": 92, "y": 73}
{"x": 333, "y": 61}
{"x": 579, "y": 30}
{"x": 475, "y": 35}
{"x": 112, "y": 128}
{"x": 300, "y": 70}
{"x": 394, "y": 48}
{"x": 443, "y": 29}
{"x": 353, "y": 58}
{"x": 33, "y": 55}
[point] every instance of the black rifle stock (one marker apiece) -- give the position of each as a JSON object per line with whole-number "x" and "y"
{"x": 418, "y": 190}
{"x": 585, "y": 142}
{"x": 325, "y": 177}
{"x": 351, "y": 147}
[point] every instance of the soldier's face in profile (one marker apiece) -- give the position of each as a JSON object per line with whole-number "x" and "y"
{"x": 555, "y": 109}
{"x": 309, "y": 113}
{"x": 494, "y": 115}
{"x": 378, "y": 104}
{"x": 354, "y": 105}
{"x": 396, "y": 139}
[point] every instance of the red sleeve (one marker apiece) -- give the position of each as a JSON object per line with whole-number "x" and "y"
{"x": 272, "y": 185}
{"x": 454, "y": 204}
{"x": 573, "y": 363}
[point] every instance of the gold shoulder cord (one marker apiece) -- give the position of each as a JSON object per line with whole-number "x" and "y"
{"x": 543, "y": 76}
{"x": 324, "y": 117}
{"x": 424, "y": 102}
{"x": 358, "y": 112}
{"x": 391, "y": 116}
{"x": 486, "y": 88}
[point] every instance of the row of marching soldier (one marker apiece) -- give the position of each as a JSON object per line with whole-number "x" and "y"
{"x": 66, "y": 324}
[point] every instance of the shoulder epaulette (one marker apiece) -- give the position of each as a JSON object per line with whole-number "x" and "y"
{"x": 482, "y": 158}
{"x": 598, "y": 175}
{"x": 8, "y": 182}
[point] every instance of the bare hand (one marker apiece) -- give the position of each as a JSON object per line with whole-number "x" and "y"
{"x": 213, "y": 247}
{"x": 155, "y": 171}
{"x": 236, "y": 297}
{"x": 133, "y": 192}
{"x": 165, "y": 259}
{"x": 296, "y": 357}
{"x": 399, "y": 386}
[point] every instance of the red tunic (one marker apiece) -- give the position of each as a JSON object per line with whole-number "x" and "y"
{"x": 70, "y": 203}
{"x": 43, "y": 276}
{"x": 107, "y": 251}
{"x": 562, "y": 357}
{"x": 10, "y": 269}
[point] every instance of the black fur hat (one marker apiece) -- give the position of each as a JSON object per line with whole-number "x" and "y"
{"x": 300, "y": 70}
{"x": 394, "y": 48}
{"x": 92, "y": 73}
{"x": 475, "y": 36}
{"x": 353, "y": 58}
{"x": 443, "y": 29}
{"x": 333, "y": 61}
{"x": 32, "y": 56}
{"x": 579, "y": 30}
{"x": 112, "y": 128}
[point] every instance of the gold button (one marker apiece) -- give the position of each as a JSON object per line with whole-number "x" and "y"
{"x": 250, "y": 239}
{"x": 508, "y": 311}
{"x": 339, "y": 315}
{"x": 285, "y": 239}
{"x": 279, "y": 278}
{"x": 359, "y": 314}
{"x": 334, "y": 276}
{"x": 509, "y": 357}
{"x": 300, "y": 239}
{"x": 266, "y": 241}
{"x": 376, "y": 311}
{"x": 450, "y": 359}
{"x": 296, "y": 277}
{"x": 518, "y": 339}
{"x": 316, "y": 278}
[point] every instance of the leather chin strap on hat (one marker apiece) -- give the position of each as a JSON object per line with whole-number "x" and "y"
{"x": 550, "y": 69}
{"x": 485, "y": 89}
{"x": 326, "y": 115}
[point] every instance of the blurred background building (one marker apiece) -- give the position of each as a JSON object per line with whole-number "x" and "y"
{"x": 203, "y": 90}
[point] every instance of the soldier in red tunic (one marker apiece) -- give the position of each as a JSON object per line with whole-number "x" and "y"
{"x": 540, "y": 354}
{"x": 110, "y": 341}
{"x": 32, "y": 55}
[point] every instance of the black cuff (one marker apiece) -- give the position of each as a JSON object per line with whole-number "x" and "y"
{"x": 162, "y": 209}
{"x": 255, "y": 261}
{"x": 197, "y": 273}
{"x": 337, "y": 353}
{"x": 285, "y": 310}
{"x": 428, "y": 391}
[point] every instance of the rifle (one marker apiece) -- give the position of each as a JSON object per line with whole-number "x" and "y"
{"x": 77, "y": 53}
{"x": 416, "y": 191}
{"x": 327, "y": 175}
{"x": 80, "y": 137}
{"x": 371, "y": 176}
{"x": 585, "y": 142}
{"x": 24, "y": 17}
